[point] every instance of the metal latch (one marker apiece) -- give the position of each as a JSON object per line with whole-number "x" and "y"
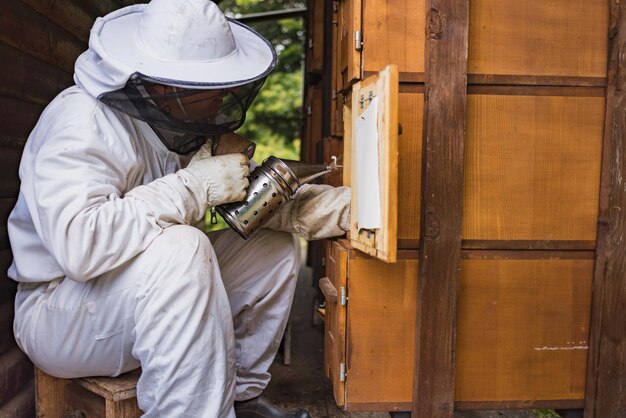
{"x": 342, "y": 372}
{"x": 343, "y": 298}
{"x": 358, "y": 40}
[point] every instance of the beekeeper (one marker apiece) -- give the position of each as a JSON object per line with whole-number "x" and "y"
{"x": 113, "y": 274}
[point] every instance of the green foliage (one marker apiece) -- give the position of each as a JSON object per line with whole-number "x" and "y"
{"x": 275, "y": 117}
{"x": 545, "y": 413}
{"x": 274, "y": 120}
{"x": 287, "y": 35}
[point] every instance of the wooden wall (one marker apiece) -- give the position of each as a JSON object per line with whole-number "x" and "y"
{"x": 39, "y": 42}
{"x": 511, "y": 144}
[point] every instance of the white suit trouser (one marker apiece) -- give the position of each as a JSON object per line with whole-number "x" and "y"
{"x": 203, "y": 319}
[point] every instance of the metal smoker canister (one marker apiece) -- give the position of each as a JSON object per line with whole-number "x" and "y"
{"x": 271, "y": 185}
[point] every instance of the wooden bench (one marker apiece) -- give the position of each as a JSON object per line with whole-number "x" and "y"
{"x": 87, "y": 397}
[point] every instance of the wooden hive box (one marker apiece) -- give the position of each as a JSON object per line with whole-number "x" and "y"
{"x": 505, "y": 112}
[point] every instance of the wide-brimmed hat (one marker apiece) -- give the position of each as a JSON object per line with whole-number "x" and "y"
{"x": 185, "y": 43}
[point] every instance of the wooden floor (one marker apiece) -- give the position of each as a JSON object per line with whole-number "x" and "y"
{"x": 302, "y": 385}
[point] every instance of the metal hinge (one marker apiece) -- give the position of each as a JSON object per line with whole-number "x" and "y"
{"x": 310, "y": 43}
{"x": 343, "y": 298}
{"x": 309, "y": 110}
{"x": 358, "y": 41}
{"x": 342, "y": 372}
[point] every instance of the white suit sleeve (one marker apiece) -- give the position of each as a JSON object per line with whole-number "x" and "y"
{"x": 317, "y": 211}
{"x": 82, "y": 215}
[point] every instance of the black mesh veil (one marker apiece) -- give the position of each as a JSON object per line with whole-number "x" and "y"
{"x": 184, "y": 117}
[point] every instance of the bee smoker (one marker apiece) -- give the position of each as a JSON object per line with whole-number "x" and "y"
{"x": 272, "y": 184}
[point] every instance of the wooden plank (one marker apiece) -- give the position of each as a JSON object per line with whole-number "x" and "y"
{"x": 380, "y": 341}
{"x": 473, "y": 406}
{"x": 30, "y": 79}
{"x": 442, "y": 199}
{"x": 349, "y": 57}
{"x": 102, "y": 7}
{"x": 335, "y": 320}
{"x": 606, "y": 370}
{"x": 17, "y": 120}
{"x": 8, "y": 289}
{"x": 10, "y": 163}
{"x": 510, "y": 90}
{"x": 414, "y": 79}
{"x": 21, "y": 405}
{"x": 524, "y": 404}
{"x": 329, "y": 77}
{"x": 535, "y": 80}
{"x": 66, "y": 14}
{"x": 333, "y": 146}
{"x": 512, "y": 302}
{"x": 347, "y": 145}
{"x": 532, "y": 167}
{"x": 393, "y": 32}
{"x": 50, "y": 395}
{"x": 523, "y": 328}
{"x": 544, "y": 38}
{"x": 526, "y": 255}
{"x": 80, "y": 399}
{"x": 16, "y": 372}
{"x": 410, "y": 117}
{"x": 7, "y": 342}
{"x": 313, "y": 123}
{"x": 7, "y": 286}
{"x": 529, "y": 245}
{"x": 6, "y": 206}
{"x": 28, "y": 31}
{"x": 126, "y": 408}
{"x": 113, "y": 388}
{"x": 315, "y": 36}
{"x": 338, "y": 100}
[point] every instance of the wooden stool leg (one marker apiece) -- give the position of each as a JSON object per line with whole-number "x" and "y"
{"x": 50, "y": 395}
{"x": 123, "y": 409}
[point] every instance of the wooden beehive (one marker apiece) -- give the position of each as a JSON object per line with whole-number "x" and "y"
{"x": 505, "y": 113}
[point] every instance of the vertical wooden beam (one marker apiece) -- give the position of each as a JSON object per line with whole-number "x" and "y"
{"x": 606, "y": 370}
{"x": 442, "y": 201}
{"x": 329, "y": 65}
{"x": 50, "y": 395}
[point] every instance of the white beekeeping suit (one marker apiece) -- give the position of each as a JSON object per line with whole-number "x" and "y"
{"x": 113, "y": 274}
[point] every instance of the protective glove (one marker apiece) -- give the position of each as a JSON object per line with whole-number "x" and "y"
{"x": 223, "y": 177}
{"x": 317, "y": 211}
{"x": 183, "y": 197}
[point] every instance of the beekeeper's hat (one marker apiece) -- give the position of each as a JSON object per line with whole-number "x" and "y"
{"x": 184, "y": 43}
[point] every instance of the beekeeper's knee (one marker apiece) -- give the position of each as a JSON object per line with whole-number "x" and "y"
{"x": 181, "y": 255}
{"x": 279, "y": 249}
